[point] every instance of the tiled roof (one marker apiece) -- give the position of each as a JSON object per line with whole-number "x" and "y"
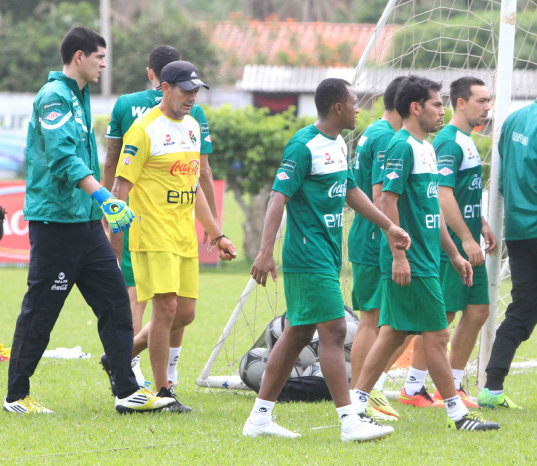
{"x": 284, "y": 79}
{"x": 292, "y": 43}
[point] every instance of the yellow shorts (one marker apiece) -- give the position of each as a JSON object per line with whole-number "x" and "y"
{"x": 165, "y": 272}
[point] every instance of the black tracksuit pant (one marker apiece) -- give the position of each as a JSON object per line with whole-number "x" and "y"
{"x": 521, "y": 314}
{"x": 61, "y": 256}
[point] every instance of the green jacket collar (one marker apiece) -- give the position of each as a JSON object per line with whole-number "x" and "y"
{"x": 71, "y": 83}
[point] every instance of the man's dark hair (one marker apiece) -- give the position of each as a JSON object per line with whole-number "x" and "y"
{"x": 328, "y": 92}
{"x": 160, "y": 56}
{"x": 389, "y": 93}
{"x": 80, "y": 38}
{"x": 462, "y": 87}
{"x": 414, "y": 89}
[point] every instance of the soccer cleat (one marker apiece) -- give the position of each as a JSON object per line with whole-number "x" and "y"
{"x": 472, "y": 421}
{"x": 379, "y": 402}
{"x": 379, "y": 416}
{"x": 466, "y": 399}
{"x": 365, "y": 429}
{"x": 108, "y": 369}
{"x": 142, "y": 401}
{"x": 488, "y": 400}
{"x": 25, "y": 406}
{"x": 422, "y": 399}
{"x": 176, "y": 407}
{"x": 270, "y": 428}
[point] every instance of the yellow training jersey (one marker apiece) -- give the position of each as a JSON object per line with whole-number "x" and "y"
{"x": 161, "y": 157}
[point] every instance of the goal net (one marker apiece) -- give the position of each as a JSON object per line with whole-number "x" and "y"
{"x": 443, "y": 40}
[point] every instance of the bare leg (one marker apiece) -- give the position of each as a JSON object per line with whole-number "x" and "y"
{"x": 363, "y": 341}
{"x": 418, "y": 355}
{"x": 398, "y": 352}
{"x": 435, "y": 348}
{"x": 176, "y": 338}
{"x": 332, "y": 359}
{"x": 379, "y": 355}
{"x": 140, "y": 340}
{"x": 137, "y": 309}
{"x": 164, "y": 310}
{"x": 282, "y": 359}
{"x": 465, "y": 335}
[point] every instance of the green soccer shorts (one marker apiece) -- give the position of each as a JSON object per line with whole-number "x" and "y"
{"x": 418, "y": 307}
{"x": 456, "y": 294}
{"x": 366, "y": 287}
{"x": 312, "y": 298}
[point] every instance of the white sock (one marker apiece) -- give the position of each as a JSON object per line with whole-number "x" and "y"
{"x": 455, "y": 408}
{"x": 359, "y": 400}
{"x": 458, "y": 374}
{"x": 173, "y": 357}
{"x": 347, "y": 417}
{"x": 380, "y": 382}
{"x": 135, "y": 364}
{"x": 415, "y": 379}
{"x": 261, "y": 412}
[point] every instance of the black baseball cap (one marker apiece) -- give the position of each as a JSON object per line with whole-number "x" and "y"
{"x": 182, "y": 73}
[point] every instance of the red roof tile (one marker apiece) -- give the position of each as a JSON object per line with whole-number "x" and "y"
{"x": 292, "y": 43}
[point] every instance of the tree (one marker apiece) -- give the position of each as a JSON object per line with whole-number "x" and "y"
{"x": 133, "y": 42}
{"x": 248, "y": 145}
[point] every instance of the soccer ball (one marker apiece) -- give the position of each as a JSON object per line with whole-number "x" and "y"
{"x": 306, "y": 357}
{"x": 313, "y": 370}
{"x": 274, "y": 330}
{"x": 252, "y": 367}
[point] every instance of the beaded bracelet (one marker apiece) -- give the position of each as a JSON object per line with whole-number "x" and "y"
{"x": 215, "y": 241}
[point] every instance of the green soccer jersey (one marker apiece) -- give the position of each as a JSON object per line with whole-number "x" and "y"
{"x": 410, "y": 171}
{"x": 315, "y": 176}
{"x": 459, "y": 167}
{"x": 368, "y": 169}
{"x": 130, "y": 106}
{"x": 518, "y": 173}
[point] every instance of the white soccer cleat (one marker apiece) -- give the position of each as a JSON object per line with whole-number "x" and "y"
{"x": 25, "y": 406}
{"x": 270, "y": 428}
{"x": 360, "y": 431}
{"x": 142, "y": 401}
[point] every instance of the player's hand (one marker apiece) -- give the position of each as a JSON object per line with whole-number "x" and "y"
{"x": 473, "y": 251}
{"x": 117, "y": 212}
{"x": 490, "y": 239}
{"x": 263, "y": 264}
{"x": 226, "y": 249}
{"x": 463, "y": 267}
{"x": 398, "y": 237}
{"x": 401, "y": 271}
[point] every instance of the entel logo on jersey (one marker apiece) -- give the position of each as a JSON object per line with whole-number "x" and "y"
{"x": 432, "y": 190}
{"x": 185, "y": 168}
{"x": 338, "y": 190}
{"x": 476, "y": 183}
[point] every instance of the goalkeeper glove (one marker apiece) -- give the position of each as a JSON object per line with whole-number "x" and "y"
{"x": 117, "y": 212}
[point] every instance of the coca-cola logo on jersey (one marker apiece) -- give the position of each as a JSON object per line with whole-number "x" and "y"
{"x": 185, "y": 168}
{"x": 432, "y": 190}
{"x": 476, "y": 183}
{"x": 338, "y": 190}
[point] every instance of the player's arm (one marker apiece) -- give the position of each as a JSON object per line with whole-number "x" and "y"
{"x": 226, "y": 249}
{"x": 377, "y": 191}
{"x": 113, "y": 150}
{"x": 400, "y": 266}
{"x": 452, "y": 215}
{"x": 264, "y": 262}
{"x": 207, "y": 184}
{"x": 461, "y": 265}
{"x": 488, "y": 236}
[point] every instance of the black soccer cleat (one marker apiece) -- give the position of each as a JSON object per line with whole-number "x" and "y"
{"x": 473, "y": 421}
{"x": 108, "y": 370}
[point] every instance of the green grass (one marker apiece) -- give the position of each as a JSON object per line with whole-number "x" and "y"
{"x": 86, "y": 430}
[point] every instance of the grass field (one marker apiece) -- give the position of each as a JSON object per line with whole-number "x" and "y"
{"x": 86, "y": 430}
